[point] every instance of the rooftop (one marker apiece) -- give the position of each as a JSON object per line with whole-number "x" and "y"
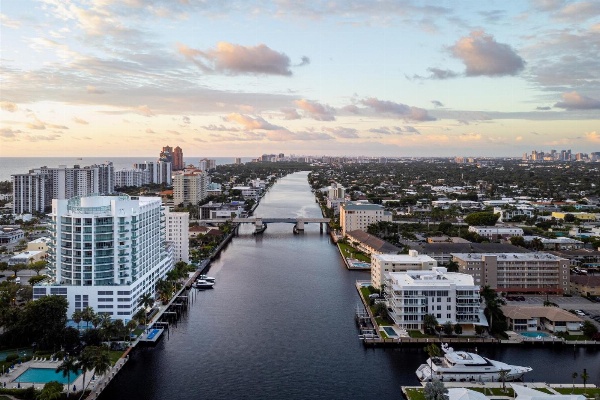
{"x": 374, "y": 242}
{"x": 509, "y": 256}
{"x": 356, "y": 206}
{"x": 551, "y": 313}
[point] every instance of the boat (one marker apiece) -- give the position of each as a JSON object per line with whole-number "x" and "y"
{"x": 462, "y": 366}
{"x": 207, "y": 278}
{"x": 203, "y": 284}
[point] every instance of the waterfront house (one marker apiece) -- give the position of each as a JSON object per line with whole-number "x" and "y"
{"x": 371, "y": 244}
{"x": 536, "y": 318}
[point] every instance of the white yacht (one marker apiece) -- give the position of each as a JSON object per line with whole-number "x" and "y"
{"x": 207, "y": 278}
{"x": 462, "y": 366}
{"x": 203, "y": 284}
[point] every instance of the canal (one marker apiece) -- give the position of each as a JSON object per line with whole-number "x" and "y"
{"x": 279, "y": 324}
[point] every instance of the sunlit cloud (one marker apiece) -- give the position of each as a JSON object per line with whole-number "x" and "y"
{"x": 320, "y": 112}
{"x": 593, "y": 137}
{"x": 482, "y": 55}
{"x": 80, "y": 121}
{"x": 399, "y": 109}
{"x": 8, "y": 106}
{"x": 575, "y": 101}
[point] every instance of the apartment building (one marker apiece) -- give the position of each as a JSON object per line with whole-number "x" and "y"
{"x": 106, "y": 252}
{"x": 132, "y": 177}
{"x": 177, "y": 230}
{"x": 160, "y": 171}
{"x": 358, "y": 215}
{"x": 517, "y": 272}
{"x": 34, "y": 191}
{"x": 448, "y": 296}
{"x": 382, "y": 264}
{"x": 190, "y": 187}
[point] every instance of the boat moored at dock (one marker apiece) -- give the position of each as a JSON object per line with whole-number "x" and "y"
{"x": 203, "y": 284}
{"x": 463, "y": 366}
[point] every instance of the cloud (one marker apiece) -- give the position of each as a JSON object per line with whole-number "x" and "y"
{"x": 483, "y": 56}
{"x": 143, "y": 110}
{"x": 251, "y": 123}
{"x": 235, "y": 59}
{"x": 41, "y": 125}
{"x": 290, "y": 113}
{"x": 402, "y": 110}
{"x": 303, "y": 61}
{"x": 395, "y": 130}
{"x": 8, "y": 132}
{"x": 8, "y": 106}
{"x": 579, "y": 11}
{"x": 80, "y": 121}
{"x": 186, "y": 120}
{"x": 6, "y": 22}
{"x": 94, "y": 90}
{"x": 351, "y": 108}
{"x": 437, "y": 103}
{"x": 437, "y": 73}
{"x": 341, "y": 132}
{"x": 576, "y": 101}
{"x": 468, "y": 137}
{"x": 148, "y": 130}
{"x": 219, "y": 128}
{"x": 593, "y": 136}
{"x": 546, "y": 108}
{"x": 320, "y": 112}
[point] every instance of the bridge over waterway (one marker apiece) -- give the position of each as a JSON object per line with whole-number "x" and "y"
{"x": 261, "y": 222}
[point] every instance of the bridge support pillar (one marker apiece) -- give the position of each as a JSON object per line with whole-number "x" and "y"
{"x": 321, "y": 227}
{"x": 300, "y": 225}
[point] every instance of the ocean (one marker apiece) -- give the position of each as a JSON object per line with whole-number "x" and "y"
{"x": 20, "y": 165}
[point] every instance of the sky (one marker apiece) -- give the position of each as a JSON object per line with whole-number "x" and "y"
{"x": 332, "y": 77}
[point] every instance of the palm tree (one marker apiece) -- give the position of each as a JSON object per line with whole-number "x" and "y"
{"x": 51, "y": 391}
{"x": 131, "y": 325}
{"x": 87, "y": 314}
{"x": 68, "y": 366}
{"x": 584, "y": 378}
{"x": 574, "y": 376}
{"x": 146, "y": 300}
{"x": 86, "y": 362}
{"x": 429, "y": 322}
{"x": 77, "y": 317}
{"x": 102, "y": 363}
{"x": 503, "y": 374}
{"x": 141, "y": 316}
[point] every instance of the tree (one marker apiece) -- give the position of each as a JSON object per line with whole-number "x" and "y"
{"x": 452, "y": 266}
{"x": 492, "y": 309}
{"x": 38, "y": 266}
{"x": 589, "y": 329}
{"x": 68, "y": 366}
{"x": 503, "y": 374}
{"x": 87, "y": 314}
{"x": 458, "y": 329}
{"x": 569, "y": 218}
{"x": 574, "y": 376}
{"x": 517, "y": 241}
{"x": 86, "y": 361}
{"x": 43, "y": 321}
{"x": 448, "y": 328}
{"x": 429, "y": 323}
{"x": 435, "y": 391}
{"x": 16, "y": 268}
{"x": 51, "y": 391}
{"x": 146, "y": 300}
{"x": 482, "y": 219}
{"x": 102, "y": 363}
{"x": 77, "y": 317}
{"x": 584, "y": 378}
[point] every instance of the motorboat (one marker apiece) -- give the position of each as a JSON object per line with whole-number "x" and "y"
{"x": 463, "y": 366}
{"x": 203, "y": 284}
{"x": 207, "y": 278}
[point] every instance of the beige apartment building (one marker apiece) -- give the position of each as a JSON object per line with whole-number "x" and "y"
{"x": 516, "y": 272}
{"x": 357, "y": 215}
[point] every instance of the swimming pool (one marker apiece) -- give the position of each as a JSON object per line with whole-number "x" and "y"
{"x": 45, "y": 375}
{"x": 389, "y": 331}
{"x": 534, "y": 334}
{"x": 153, "y": 333}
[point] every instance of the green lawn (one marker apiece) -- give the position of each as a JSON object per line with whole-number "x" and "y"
{"x": 415, "y": 394}
{"x": 589, "y": 392}
{"x": 115, "y": 355}
{"x": 349, "y": 252}
{"x": 419, "y": 334}
{"x": 494, "y": 391}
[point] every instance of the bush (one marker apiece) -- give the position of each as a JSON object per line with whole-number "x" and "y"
{"x": 12, "y": 357}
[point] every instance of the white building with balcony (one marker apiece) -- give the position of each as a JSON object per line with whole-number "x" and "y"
{"x": 448, "y": 296}
{"x": 106, "y": 252}
{"x": 178, "y": 231}
{"x": 358, "y": 215}
{"x": 382, "y": 264}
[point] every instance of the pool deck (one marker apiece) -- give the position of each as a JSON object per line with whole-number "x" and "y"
{"x": 12, "y": 380}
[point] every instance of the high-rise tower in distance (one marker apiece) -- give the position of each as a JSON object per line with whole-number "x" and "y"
{"x": 178, "y": 159}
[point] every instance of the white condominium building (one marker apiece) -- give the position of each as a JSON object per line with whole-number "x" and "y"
{"x": 496, "y": 232}
{"x": 132, "y": 177}
{"x": 356, "y": 215}
{"x": 382, "y": 264}
{"x": 160, "y": 171}
{"x": 106, "y": 252}
{"x": 448, "y": 296}
{"x": 190, "y": 187}
{"x": 516, "y": 272}
{"x": 178, "y": 228}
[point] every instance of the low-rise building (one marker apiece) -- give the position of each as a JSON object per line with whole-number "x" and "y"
{"x": 10, "y": 235}
{"x": 496, "y": 232}
{"x": 517, "y": 272}
{"x": 559, "y": 243}
{"x": 585, "y": 285}
{"x": 359, "y": 215}
{"x": 448, "y": 296}
{"x": 382, "y": 264}
{"x": 27, "y": 257}
{"x": 371, "y": 244}
{"x": 582, "y": 216}
{"x": 40, "y": 244}
{"x": 535, "y": 318}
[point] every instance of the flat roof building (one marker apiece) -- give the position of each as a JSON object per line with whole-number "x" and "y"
{"x": 359, "y": 215}
{"x": 382, "y": 264}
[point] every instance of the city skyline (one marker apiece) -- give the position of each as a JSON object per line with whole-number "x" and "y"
{"x": 372, "y": 78}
